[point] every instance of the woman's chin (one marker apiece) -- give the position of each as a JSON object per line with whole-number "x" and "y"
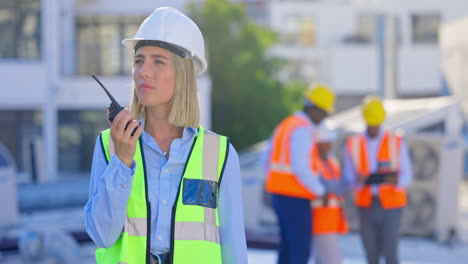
{"x": 151, "y": 104}
{"x": 147, "y": 102}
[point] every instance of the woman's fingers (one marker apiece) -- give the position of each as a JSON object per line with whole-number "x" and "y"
{"x": 130, "y": 128}
{"x": 121, "y": 123}
{"x": 117, "y": 119}
{"x": 138, "y": 132}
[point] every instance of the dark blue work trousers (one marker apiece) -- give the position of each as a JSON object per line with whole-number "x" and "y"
{"x": 294, "y": 219}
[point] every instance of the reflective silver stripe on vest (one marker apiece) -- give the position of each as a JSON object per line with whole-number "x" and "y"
{"x": 355, "y": 149}
{"x": 211, "y": 144}
{"x": 210, "y": 215}
{"x": 331, "y": 202}
{"x": 196, "y": 231}
{"x": 393, "y": 153}
{"x": 278, "y": 166}
{"x": 210, "y": 154}
{"x": 136, "y": 226}
{"x": 122, "y": 262}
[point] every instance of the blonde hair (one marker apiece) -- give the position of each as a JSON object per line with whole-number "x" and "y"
{"x": 185, "y": 109}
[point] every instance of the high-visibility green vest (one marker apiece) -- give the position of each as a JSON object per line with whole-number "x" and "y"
{"x": 195, "y": 234}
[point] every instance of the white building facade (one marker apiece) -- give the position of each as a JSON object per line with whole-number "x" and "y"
{"x": 338, "y": 42}
{"x": 51, "y": 110}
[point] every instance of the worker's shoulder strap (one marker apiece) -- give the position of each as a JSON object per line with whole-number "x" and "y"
{"x": 107, "y": 144}
{"x": 292, "y": 122}
{"x": 215, "y": 148}
{"x": 354, "y": 147}
{"x": 395, "y": 144}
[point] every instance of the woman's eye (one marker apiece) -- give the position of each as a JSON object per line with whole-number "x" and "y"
{"x": 159, "y": 62}
{"x": 138, "y": 61}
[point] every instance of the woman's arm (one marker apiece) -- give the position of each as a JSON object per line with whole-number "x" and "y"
{"x": 106, "y": 209}
{"x": 231, "y": 215}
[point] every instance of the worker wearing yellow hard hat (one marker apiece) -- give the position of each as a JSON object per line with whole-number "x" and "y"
{"x": 321, "y": 97}
{"x": 373, "y": 111}
{"x": 377, "y": 163}
{"x": 290, "y": 178}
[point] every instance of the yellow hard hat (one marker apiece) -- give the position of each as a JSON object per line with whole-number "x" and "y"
{"x": 321, "y": 96}
{"x": 373, "y": 110}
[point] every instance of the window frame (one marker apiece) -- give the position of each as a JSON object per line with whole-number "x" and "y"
{"x": 21, "y": 9}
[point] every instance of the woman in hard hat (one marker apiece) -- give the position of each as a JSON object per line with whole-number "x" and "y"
{"x": 328, "y": 214}
{"x": 290, "y": 179}
{"x": 378, "y": 164}
{"x": 156, "y": 194}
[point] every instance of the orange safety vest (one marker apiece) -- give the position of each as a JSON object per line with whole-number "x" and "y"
{"x": 391, "y": 197}
{"x": 280, "y": 177}
{"x": 329, "y": 218}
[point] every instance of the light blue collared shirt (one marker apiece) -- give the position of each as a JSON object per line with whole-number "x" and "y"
{"x": 405, "y": 169}
{"x": 302, "y": 140}
{"x": 106, "y": 212}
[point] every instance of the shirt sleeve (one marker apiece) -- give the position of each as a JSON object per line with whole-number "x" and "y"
{"x": 232, "y": 232}
{"x": 301, "y": 144}
{"x": 265, "y": 156}
{"x": 106, "y": 210}
{"x": 348, "y": 171}
{"x": 406, "y": 169}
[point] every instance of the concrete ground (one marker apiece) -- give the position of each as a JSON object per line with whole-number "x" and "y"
{"x": 413, "y": 250}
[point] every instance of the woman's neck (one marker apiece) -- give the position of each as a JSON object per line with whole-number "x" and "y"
{"x": 158, "y": 126}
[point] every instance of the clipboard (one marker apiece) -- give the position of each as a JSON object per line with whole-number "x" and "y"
{"x": 378, "y": 178}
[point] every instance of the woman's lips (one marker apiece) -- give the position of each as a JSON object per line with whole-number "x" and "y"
{"x": 145, "y": 87}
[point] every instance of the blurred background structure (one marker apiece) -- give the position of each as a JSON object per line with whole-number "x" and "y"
{"x": 262, "y": 54}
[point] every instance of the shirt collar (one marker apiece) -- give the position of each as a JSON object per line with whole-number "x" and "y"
{"x": 378, "y": 137}
{"x": 189, "y": 132}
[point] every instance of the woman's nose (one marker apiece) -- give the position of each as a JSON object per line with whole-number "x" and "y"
{"x": 145, "y": 70}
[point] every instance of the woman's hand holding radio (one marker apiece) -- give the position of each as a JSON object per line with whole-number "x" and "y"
{"x": 125, "y": 132}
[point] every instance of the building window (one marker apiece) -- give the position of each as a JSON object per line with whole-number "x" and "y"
{"x": 299, "y": 30}
{"x": 77, "y": 136}
{"x": 425, "y": 28}
{"x": 99, "y": 44}
{"x": 300, "y": 70}
{"x": 20, "y": 133}
{"x": 20, "y": 25}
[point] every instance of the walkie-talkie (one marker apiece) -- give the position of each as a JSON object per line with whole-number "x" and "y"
{"x": 114, "y": 107}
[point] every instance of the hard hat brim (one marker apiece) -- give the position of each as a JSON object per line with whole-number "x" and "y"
{"x": 308, "y": 103}
{"x": 131, "y": 42}
{"x": 199, "y": 69}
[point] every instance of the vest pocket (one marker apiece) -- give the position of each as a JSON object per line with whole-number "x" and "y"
{"x": 391, "y": 197}
{"x": 200, "y": 192}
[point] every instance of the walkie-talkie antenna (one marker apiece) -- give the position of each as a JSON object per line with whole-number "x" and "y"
{"x": 107, "y": 92}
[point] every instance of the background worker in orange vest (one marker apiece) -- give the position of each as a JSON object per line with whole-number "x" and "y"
{"x": 290, "y": 178}
{"x": 328, "y": 215}
{"x": 377, "y": 163}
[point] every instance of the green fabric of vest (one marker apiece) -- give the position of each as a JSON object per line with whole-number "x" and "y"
{"x": 195, "y": 228}
{"x": 133, "y": 245}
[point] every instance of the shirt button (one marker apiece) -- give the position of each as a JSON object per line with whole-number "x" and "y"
{"x": 159, "y": 237}
{"x": 166, "y": 170}
{"x": 164, "y": 202}
{"x": 125, "y": 186}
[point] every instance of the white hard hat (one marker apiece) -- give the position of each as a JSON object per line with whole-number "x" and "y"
{"x": 169, "y": 25}
{"x": 325, "y": 133}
